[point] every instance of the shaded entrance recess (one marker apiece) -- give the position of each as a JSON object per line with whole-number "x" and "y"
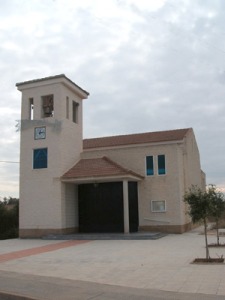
{"x": 101, "y": 207}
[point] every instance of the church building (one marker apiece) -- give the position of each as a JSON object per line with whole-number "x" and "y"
{"x": 124, "y": 183}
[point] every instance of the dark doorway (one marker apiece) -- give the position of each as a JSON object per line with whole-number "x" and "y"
{"x": 101, "y": 207}
{"x": 133, "y": 206}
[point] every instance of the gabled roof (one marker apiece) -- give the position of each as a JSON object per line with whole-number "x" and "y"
{"x": 140, "y": 138}
{"x": 98, "y": 167}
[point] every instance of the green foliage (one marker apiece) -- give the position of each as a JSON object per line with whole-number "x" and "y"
{"x": 217, "y": 202}
{"x": 203, "y": 204}
{"x": 217, "y": 206}
{"x": 10, "y": 200}
{"x": 9, "y": 216}
{"x": 199, "y": 204}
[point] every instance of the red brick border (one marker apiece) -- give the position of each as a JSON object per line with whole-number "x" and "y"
{"x": 38, "y": 250}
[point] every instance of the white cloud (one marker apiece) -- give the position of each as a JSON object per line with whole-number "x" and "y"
{"x": 149, "y": 65}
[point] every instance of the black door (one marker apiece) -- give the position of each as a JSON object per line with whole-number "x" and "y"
{"x": 101, "y": 207}
{"x": 133, "y": 206}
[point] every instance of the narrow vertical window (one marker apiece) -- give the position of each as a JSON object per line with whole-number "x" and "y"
{"x": 75, "y": 112}
{"x": 161, "y": 165}
{"x": 40, "y": 158}
{"x": 47, "y": 106}
{"x": 67, "y": 107}
{"x": 31, "y": 108}
{"x": 149, "y": 165}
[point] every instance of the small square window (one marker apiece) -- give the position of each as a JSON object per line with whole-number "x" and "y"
{"x": 149, "y": 165}
{"x": 158, "y": 206}
{"x": 40, "y": 158}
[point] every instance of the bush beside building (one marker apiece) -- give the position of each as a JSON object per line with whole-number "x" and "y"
{"x": 9, "y": 216}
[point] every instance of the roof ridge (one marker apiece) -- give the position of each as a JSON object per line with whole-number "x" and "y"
{"x": 136, "y": 138}
{"x": 140, "y": 133}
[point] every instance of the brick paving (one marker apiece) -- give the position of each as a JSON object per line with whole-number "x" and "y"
{"x": 38, "y": 250}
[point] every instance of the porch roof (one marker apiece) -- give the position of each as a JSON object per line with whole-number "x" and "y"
{"x": 99, "y": 169}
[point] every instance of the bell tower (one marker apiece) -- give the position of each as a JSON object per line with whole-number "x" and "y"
{"x": 51, "y": 142}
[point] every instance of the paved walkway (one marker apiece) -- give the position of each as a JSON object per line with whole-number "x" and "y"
{"x": 37, "y": 250}
{"x": 50, "y": 269}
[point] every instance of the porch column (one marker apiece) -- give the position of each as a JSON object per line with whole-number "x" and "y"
{"x": 126, "y": 207}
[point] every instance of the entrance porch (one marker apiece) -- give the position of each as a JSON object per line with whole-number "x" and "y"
{"x": 107, "y": 196}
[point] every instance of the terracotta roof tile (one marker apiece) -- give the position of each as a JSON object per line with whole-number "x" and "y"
{"x": 97, "y": 167}
{"x": 140, "y": 138}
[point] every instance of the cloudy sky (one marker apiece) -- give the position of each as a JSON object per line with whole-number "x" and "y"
{"x": 149, "y": 65}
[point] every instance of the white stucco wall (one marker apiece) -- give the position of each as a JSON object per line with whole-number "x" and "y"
{"x": 70, "y": 216}
{"x": 41, "y": 200}
{"x": 182, "y": 170}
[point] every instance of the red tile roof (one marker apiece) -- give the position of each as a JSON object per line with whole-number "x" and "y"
{"x": 140, "y": 138}
{"x": 97, "y": 167}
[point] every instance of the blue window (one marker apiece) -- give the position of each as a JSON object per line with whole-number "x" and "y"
{"x": 40, "y": 158}
{"x": 149, "y": 165}
{"x": 161, "y": 165}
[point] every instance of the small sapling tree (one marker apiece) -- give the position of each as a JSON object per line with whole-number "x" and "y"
{"x": 198, "y": 201}
{"x": 217, "y": 206}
